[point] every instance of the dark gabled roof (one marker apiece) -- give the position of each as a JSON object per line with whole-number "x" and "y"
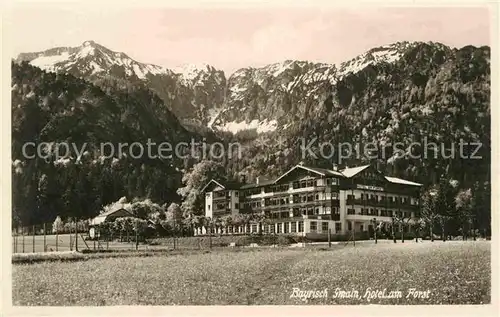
{"x": 346, "y": 173}
{"x": 224, "y": 184}
{"x": 102, "y": 217}
{"x": 352, "y": 171}
{"x": 255, "y": 185}
{"x": 110, "y": 212}
{"x": 210, "y": 182}
{"x": 232, "y": 185}
{"x": 324, "y": 171}
{"x": 401, "y": 181}
{"x": 317, "y": 170}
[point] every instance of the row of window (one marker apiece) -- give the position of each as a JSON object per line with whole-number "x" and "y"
{"x": 298, "y": 199}
{"x": 298, "y": 226}
{"x": 252, "y": 191}
{"x": 368, "y": 197}
{"x": 295, "y": 185}
{"x": 276, "y": 188}
{"x": 299, "y": 212}
{"x": 313, "y": 197}
{"x": 219, "y": 206}
{"x": 302, "y": 198}
{"x": 286, "y": 227}
{"x": 278, "y": 215}
{"x": 252, "y": 204}
{"x": 314, "y": 182}
{"x": 379, "y": 212}
{"x": 403, "y": 228}
{"x": 324, "y": 227}
{"x": 316, "y": 211}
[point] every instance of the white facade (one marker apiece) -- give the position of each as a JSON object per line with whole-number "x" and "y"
{"x": 316, "y": 201}
{"x": 208, "y": 205}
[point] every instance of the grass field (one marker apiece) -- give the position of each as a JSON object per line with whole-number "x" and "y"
{"x": 453, "y": 272}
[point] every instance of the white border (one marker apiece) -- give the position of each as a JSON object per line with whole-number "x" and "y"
{"x": 5, "y": 176}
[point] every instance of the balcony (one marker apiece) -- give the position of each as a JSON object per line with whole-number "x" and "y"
{"x": 335, "y": 217}
{"x": 221, "y": 211}
{"x": 314, "y": 203}
{"x": 367, "y": 217}
{"x": 218, "y": 198}
{"x": 309, "y": 189}
{"x": 379, "y": 203}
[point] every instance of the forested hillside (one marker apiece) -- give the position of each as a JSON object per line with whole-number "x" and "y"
{"x": 50, "y": 107}
{"x": 406, "y": 93}
{"x": 432, "y": 94}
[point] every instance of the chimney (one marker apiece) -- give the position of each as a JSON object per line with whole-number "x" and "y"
{"x": 335, "y": 167}
{"x": 257, "y": 180}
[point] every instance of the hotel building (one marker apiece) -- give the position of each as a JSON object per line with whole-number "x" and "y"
{"x": 308, "y": 200}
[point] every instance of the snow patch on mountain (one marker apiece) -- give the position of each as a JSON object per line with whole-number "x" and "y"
{"x": 46, "y": 62}
{"x": 213, "y": 114}
{"x": 387, "y": 53}
{"x": 96, "y": 67}
{"x": 85, "y": 51}
{"x": 195, "y": 74}
{"x": 90, "y": 57}
{"x": 260, "y": 126}
{"x": 138, "y": 71}
{"x": 190, "y": 71}
{"x": 281, "y": 67}
{"x": 236, "y": 89}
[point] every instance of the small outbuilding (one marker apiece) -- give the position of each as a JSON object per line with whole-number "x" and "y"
{"x": 108, "y": 216}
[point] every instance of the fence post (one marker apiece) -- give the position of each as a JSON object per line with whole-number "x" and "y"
{"x": 44, "y": 239}
{"x": 329, "y": 238}
{"x": 57, "y": 240}
{"x": 33, "y": 239}
{"x": 174, "y": 234}
{"x": 210, "y": 237}
{"x": 136, "y": 239}
{"x": 76, "y": 236}
{"x": 22, "y": 232}
{"x": 354, "y": 234}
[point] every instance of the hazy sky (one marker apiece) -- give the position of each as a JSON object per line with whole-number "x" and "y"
{"x": 230, "y": 38}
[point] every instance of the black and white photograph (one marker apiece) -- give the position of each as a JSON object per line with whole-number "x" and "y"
{"x": 229, "y": 155}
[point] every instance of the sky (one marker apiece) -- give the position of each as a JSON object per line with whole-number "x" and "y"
{"x": 231, "y": 38}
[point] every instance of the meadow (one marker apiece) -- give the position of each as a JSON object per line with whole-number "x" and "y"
{"x": 451, "y": 272}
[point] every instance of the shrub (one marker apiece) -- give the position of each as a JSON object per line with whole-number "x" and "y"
{"x": 58, "y": 225}
{"x": 284, "y": 240}
{"x": 46, "y": 256}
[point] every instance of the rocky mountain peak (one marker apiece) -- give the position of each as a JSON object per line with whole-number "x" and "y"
{"x": 266, "y": 98}
{"x": 90, "y": 59}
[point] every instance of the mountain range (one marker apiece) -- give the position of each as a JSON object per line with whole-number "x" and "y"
{"x": 262, "y": 99}
{"x": 404, "y": 92}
